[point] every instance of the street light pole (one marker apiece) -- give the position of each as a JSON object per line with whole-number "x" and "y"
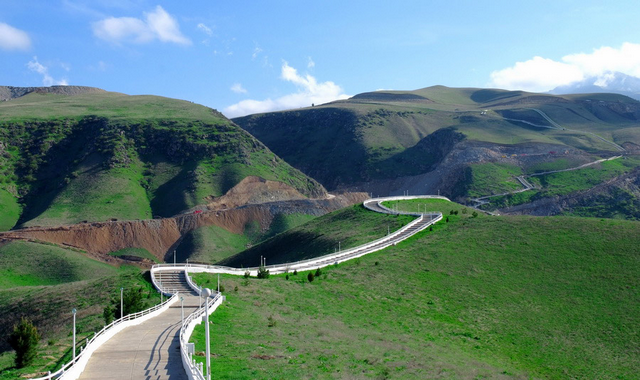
{"x": 121, "y": 303}
{"x": 182, "y": 308}
{"x": 206, "y": 293}
{"x": 74, "y": 334}
{"x": 174, "y": 257}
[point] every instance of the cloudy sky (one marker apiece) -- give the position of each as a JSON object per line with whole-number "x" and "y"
{"x": 241, "y": 57}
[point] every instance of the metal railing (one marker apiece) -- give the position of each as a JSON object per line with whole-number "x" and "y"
{"x": 96, "y": 341}
{"x": 193, "y": 369}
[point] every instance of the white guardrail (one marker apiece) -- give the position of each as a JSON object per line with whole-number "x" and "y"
{"x": 74, "y": 368}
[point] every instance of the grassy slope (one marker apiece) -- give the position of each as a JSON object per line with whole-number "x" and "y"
{"x": 320, "y": 236}
{"x": 44, "y": 283}
{"x": 32, "y": 264}
{"x": 9, "y": 210}
{"x": 102, "y": 156}
{"x": 571, "y": 182}
{"x": 508, "y": 297}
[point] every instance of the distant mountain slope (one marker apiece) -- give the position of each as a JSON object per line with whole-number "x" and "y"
{"x": 389, "y": 142}
{"x": 613, "y": 82}
{"x": 97, "y": 155}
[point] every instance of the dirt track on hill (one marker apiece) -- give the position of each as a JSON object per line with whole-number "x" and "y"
{"x": 160, "y": 236}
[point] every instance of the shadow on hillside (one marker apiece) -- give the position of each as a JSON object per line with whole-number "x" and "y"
{"x": 282, "y": 249}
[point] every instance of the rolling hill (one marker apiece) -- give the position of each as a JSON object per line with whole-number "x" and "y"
{"x": 432, "y": 139}
{"x": 74, "y": 154}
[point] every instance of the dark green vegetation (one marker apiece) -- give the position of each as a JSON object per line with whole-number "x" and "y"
{"x": 44, "y": 283}
{"x": 211, "y": 244}
{"x": 342, "y": 229}
{"x": 470, "y": 141}
{"x": 24, "y": 340}
{"x": 485, "y": 297}
{"x": 99, "y": 156}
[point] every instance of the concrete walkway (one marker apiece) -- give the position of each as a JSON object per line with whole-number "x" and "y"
{"x": 148, "y": 351}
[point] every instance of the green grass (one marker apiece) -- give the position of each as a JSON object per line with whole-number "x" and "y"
{"x": 9, "y": 210}
{"x": 493, "y": 178}
{"x": 344, "y": 228}
{"x": 491, "y": 297}
{"x": 32, "y": 264}
{"x": 112, "y": 105}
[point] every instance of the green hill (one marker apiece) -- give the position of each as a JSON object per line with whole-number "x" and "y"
{"x": 97, "y": 156}
{"x": 425, "y": 141}
{"x": 484, "y": 297}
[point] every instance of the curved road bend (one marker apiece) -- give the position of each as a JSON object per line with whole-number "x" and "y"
{"x": 148, "y": 351}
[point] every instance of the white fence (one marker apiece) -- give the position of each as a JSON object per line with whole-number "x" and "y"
{"x": 74, "y": 368}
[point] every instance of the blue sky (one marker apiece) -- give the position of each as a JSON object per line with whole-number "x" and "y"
{"x": 243, "y": 57}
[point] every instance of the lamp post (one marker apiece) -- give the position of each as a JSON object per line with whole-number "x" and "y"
{"x": 206, "y": 293}
{"x": 121, "y": 303}
{"x": 182, "y": 308}
{"x": 74, "y": 334}
{"x": 174, "y": 257}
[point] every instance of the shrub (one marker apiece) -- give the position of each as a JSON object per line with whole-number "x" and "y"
{"x": 318, "y": 272}
{"x": 295, "y": 272}
{"x": 455, "y": 212}
{"x": 475, "y": 214}
{"x": 286, "y": 277}
{"x": 464, "y": 211}
{"x": 108, "y": 314}
{"x": 247, "y": 274}
{"x": 263, "y": 272}
{"x": 310, "y": 277}
{"x": 272, "y": 322}
{"x": 24, "y": 340}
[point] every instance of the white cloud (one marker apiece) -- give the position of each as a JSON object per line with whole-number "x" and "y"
{"x": 47, "y": 79}
{"x": 205, "y": 29}
{"x": 256, "y": 52}
{"x": 542, "y": 74}
{"x": 157, "y": 25}
{"x": 13, "y": 39}
{"x": 238, "y": 89}
{"x": 309, "y": 91}
{"x": 310, "y": 63}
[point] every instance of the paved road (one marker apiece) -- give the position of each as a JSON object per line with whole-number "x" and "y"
{"x": 149, "y": 351}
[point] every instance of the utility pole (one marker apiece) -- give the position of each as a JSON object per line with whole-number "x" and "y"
{"x": 122, "y": 303}
{"x": 74, "y": 334}
{"x": 206, "y": 294}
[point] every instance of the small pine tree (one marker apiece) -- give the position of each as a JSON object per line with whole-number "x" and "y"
{"x": 108, "y": 314}
{"x": 310, "y": 277}
{"x": 318, "y": 272}
{"x": 24, "y": 340}
{"x": 247, "y": 274}
{"x": 295, "y": 272}
{"x": 263, "y": 272}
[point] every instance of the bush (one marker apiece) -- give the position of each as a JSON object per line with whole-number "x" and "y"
{"x": 263, "y": 272}
{"x": 24, "y": 340}
{"x": 286, "y": 277}
{"x": 318, "y": 272}
{"x": 247, "y": 274}
{"x": 295, "y": 272}
{"x": 310, "y": 277}
{"x": 475, "y": 214}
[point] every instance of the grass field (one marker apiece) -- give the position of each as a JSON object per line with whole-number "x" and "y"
{"x": 486, "y": 297}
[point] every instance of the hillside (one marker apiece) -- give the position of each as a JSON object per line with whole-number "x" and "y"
{"x": 428, "y": 140}
{"x": 508, "y": 297}
{"x": 75, "y": 154}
